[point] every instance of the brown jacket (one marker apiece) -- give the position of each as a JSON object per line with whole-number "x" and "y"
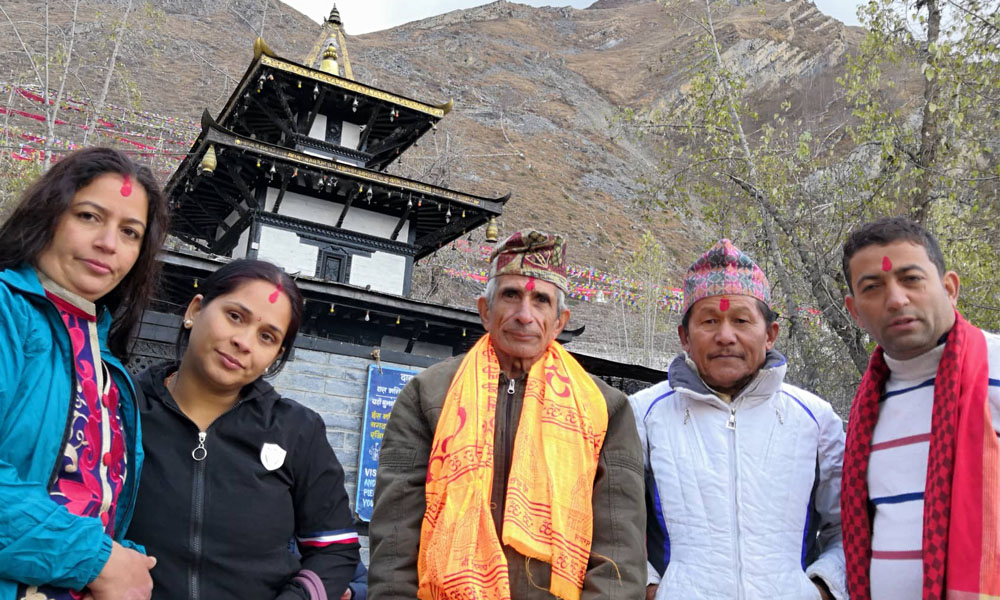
{"x": 617, "y": 567}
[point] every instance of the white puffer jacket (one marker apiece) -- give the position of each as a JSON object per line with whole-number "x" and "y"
{"x": 744, "y": 498}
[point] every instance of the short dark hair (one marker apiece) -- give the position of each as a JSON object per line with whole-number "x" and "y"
{"x": 770, "y": 316}
{"x": 889, "y": 230}
{"x": 31, "y": 226}
{"x": 234, "y": 274}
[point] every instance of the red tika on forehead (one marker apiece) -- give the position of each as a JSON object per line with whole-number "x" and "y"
{"x": 126, "y": 190}
{"x": 886, "y": 264}
{"x": 274, "y": 295}
{"x": 530, "y": 285}
{"x": 724, "y": 304}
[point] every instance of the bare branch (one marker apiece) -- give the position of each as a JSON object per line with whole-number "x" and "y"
{"x": 24, "y": 47}
{"x": 113, "y": 62}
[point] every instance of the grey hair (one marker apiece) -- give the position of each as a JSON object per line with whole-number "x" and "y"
{"x": 491, "y": 291}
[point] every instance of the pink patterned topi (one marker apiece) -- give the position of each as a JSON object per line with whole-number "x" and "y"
{"x": 725, "y": 270}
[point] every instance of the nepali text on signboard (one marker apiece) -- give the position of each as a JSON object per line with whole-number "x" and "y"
{"x": 383, "y": 386}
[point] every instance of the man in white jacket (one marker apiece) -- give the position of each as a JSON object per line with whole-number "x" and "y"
{"x": 743, "y": 470}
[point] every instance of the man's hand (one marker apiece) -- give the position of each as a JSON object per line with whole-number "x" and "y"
{"x": 824, "y": 591}
{"x": 651, "y": 591}
{"x": 347, "y": 595}
{"x": 124, "y": 577}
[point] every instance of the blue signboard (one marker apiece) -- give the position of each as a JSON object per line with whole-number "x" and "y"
{"x": 383, "y": 386}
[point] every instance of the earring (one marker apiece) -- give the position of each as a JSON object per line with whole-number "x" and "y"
{"x": 188, "y": 323}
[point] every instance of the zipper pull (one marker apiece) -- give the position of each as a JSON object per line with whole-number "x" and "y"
{"x": 780, "y": 420}
{"x": 200, "y": 452}
{"x": 510, "y": 388}
{"x": 687, "y": 415}
{"x": 731, "y": 423}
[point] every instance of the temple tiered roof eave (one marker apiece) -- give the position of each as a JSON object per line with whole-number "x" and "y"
{"x": 280, "y": 99}
{"x": 215, "y": 133}
{"x": 263, "y": 55}
{"x": 439, "y": 214}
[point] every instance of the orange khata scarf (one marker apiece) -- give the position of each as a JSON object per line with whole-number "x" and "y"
{"x": 548, "y": 515}
{"x": 961, "y": 537}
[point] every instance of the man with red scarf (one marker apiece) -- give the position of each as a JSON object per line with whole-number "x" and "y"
{"x": 921, "y": 490}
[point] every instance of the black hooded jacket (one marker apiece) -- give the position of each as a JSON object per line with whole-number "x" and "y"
{"x": 220, "y": 527}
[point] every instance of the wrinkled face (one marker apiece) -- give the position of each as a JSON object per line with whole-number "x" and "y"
{"x": 900, "y": 299}
{"x": 236, "y": 336}
{"x": 523, "y": 319}
{"x": 98, "y": 239}
{"x": 727, "y": 338}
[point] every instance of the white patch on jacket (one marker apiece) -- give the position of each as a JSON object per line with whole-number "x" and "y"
{"x": 272, "y": 456}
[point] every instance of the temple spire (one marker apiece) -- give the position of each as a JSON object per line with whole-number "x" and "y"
{"x": 333, "y": 46}
{"x": 334, "y": 16}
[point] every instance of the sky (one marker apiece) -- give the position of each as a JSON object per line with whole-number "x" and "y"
{"x": 364, "y": 16}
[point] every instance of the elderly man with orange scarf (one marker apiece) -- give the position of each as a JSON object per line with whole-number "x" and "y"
{"x": 509, "y": 472}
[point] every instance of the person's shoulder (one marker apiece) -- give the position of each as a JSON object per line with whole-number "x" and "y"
{"x": 265, "y": 406}
{"x": 609, "y": 392}
{"x": 298, "y": 426}
{"x": 814, "y": 406}
{"x": 22, "y": 279}
{"x": 801, "y": 393}
{"x": 21, "y": 315}
{"x": 150, "y": 384}
{"x": 642, "y": 402}
{"x": 445, "y": 369}
{"x": 429, "y": 387}
{"x": 651, "y": 393}
{"x": 993, "y": 352}
{"x": 17, "y": 289}
{"x": 294, "y": 414}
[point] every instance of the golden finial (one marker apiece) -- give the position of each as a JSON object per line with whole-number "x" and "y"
{"x": 329, "y": 62}
{"x": 208, "y": 162}
{"x": 492, "y": 231}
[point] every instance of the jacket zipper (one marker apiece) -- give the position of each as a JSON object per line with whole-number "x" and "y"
{"x": 734, "y": 483}
{"x": 198, "y": 454}
{"x": 197, "y": 514}
{"x": 508, "y": 439}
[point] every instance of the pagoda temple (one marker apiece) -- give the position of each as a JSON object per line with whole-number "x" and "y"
{"x": 293, "y": 170}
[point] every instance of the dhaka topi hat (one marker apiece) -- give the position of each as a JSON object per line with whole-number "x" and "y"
{"x": 725, "y": 270}
{"x": 532, "y": 254}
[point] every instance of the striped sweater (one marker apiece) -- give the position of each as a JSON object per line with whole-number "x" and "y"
{"x": 897, "y": 470}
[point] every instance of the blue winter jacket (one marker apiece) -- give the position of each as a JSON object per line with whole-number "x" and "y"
{"x": 40, "y": 541}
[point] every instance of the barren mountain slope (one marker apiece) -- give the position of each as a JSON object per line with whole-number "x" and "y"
{"x": 533, "y": 89}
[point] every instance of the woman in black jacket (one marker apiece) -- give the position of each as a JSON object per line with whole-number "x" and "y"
{"x": 233, "y": 471}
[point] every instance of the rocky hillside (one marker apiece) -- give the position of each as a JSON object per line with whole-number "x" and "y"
{"x": 534, "y": 90}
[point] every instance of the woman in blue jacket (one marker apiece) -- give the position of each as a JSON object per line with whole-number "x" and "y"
{"x": 79, "y": 249}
